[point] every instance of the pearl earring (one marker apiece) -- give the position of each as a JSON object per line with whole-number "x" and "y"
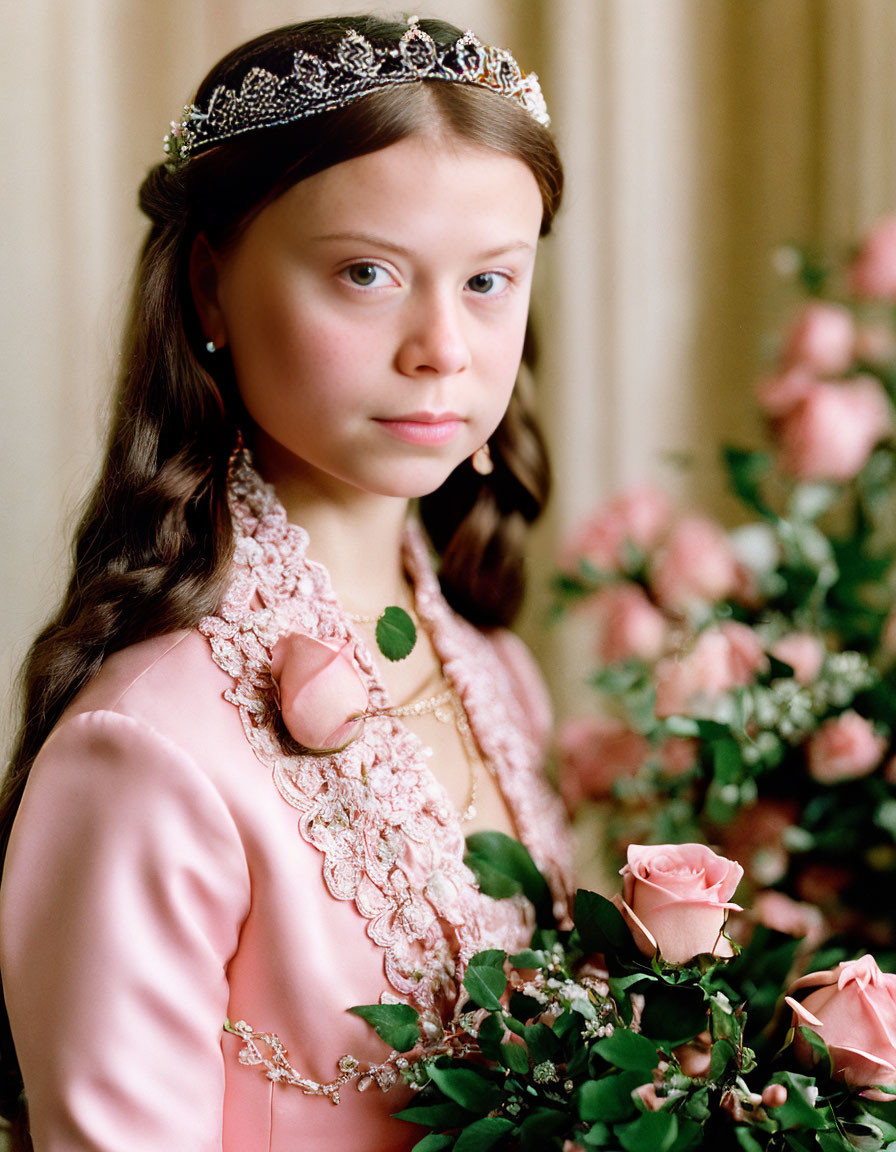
{"x": 210, "y": 346}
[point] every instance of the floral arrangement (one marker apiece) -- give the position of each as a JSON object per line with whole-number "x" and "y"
{"x": 639, "y": 1028}
{"x": 746, "y": 679}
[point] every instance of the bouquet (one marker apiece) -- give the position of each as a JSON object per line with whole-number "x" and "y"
{"x": 746, "y": 679}
{"x": 637, "y": 1029}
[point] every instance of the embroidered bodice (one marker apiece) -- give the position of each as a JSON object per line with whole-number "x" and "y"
{"x": 389, "y": 839}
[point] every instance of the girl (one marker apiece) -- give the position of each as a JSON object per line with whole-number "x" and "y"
{"x": 233, "y": 819}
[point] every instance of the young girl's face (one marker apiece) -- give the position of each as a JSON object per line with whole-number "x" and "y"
{"x": 375, "y": 313}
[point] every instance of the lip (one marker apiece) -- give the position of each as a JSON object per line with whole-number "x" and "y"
{"x": 423, "y": 427}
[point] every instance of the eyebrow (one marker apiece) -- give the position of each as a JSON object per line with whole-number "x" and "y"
{"x": 400, "y": 250}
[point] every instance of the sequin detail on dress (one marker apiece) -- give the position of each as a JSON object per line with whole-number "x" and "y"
{"x": 389, "y": 838}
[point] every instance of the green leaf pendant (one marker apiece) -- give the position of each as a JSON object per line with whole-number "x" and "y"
{"x": 396, "y": 634}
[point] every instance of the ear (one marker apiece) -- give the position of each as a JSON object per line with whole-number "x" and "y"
{"x": 204, "y": 286}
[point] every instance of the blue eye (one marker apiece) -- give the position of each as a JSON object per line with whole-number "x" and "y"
{"x": 487, "y": 283}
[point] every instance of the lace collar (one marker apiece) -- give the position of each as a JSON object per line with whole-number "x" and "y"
{"x": 390, "y": 840}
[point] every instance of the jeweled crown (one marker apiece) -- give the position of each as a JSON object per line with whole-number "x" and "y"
{"x": 355, "y": 69}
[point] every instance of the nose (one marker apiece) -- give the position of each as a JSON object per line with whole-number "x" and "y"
{"x": 434, "y": 341}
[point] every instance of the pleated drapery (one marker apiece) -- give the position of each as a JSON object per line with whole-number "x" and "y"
{"x": 698, "y": 135}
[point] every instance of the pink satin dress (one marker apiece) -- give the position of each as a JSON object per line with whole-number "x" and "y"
{"x": 173, "y": 868}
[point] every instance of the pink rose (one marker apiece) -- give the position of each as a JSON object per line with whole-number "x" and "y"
{"x": 649, "y": 1097}
{"x": 830, "y": 433}
{"x": 844, "y": 748}
{"x": 823, "y": 338}
{"x": 873, "y": 271}
{"x": 725, "y": 656}
{"x": 823, "y": 884}
{"x": 853, "y": 1010}
{"x": 322, "y": 697}
{"x": 676, "y": 899}
{"x": 803, "y": 651}
{"x": 779, "y": 395}
{"x": 678, "y": 755}
{"x": 696, "y": 565}
{"x": 875, "y": 343}
{"x": 639, "y": 516}
{"x": 594, "y": 752}
{"x": 793, "y": 918}
{"x": 695, "y": 1057}
{"x": 756, "y": 834}
{"x": 629, "y": 626}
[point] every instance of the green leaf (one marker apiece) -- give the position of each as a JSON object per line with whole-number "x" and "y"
{"x": 434, "y": 1142}
{"x": 797, "y": 1111}
{"x": 690, "y": 1135}
{"x": 821, "y": 1057}
{"x": 727, "y": 762}
{"x": 444, "y": 1115}
{"x": 597, "y": 1136}
{"x": 484, "y": 1134}
{"x": 600, "y": 925}
{"x": 629, "y": 1051}
{"x": 491, "y": 1035}
{"x": 746, "y": 471}
{"x": 746, "y": 1140}
{"x": 834, "y": 1142}
{"x": 493, "y": 854}
{"x": 489, "y": 958}
{"x": 468, "y": 1088}
{"x": 674, "y": 1013}
{"x": 609, "y": 1099}
{"x": 491, "y": 880}
{"x": 397, "y": 1024}
{"x": 723, "y": 1052}
{"x": 515, "y": 1057}
{"x": 542, "y": 1043}
{"x": 651, "y": 1132}
{"x": 540, "y": 1125}
{"x": 395, "y": 633}
{"x": 529, "y": 958}
{"x": 485, "y": 985}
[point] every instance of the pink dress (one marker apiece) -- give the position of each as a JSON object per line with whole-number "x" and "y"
{"x": 172, "y": 867}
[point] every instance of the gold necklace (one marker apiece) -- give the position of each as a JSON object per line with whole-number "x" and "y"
{"x": 447, "y": 706}
{"x": 361, "y": 618}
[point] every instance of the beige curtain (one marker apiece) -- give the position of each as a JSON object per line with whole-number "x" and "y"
{"x": 698, "y": 135}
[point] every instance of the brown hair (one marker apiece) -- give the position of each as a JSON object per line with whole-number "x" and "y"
{"x": 152, "y": 551}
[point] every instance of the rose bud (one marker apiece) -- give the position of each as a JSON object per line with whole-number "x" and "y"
{"x": 629, "y": 626}
{"x": 844, "y": 748}
{"x": 804, "y": 652}
{"x": 695, "y": 1057}
{"x": 594, "y": 752}
{"x": 873, "y": 272}
{"x": 774, "y": 1095}
{"x": 823, "y": 338}
{"x": 696, "y": 565}
{"x": 676, "y": 899}
{"x": 322, "y": 697}
{"x": 831, "y": 432}
{"x": 637, "y": 517}
{"x": 853, "y": 1009}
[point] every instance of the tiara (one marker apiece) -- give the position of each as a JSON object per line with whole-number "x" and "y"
{"x": 356, "y": 68}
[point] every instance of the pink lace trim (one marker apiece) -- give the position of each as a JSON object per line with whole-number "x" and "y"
{"x": 390, "y": 840}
